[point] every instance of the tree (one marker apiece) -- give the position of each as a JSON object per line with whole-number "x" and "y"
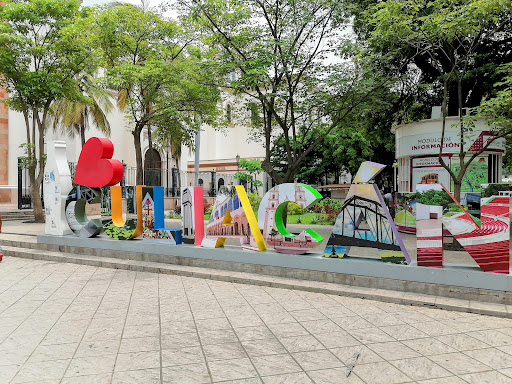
{"x": 252, "y": 168}
{"x": 73, "y": 115}
{"x": 287, "y": 57}
{"x": 150, "y": 64}
{"x": 480, "y": 78}
{"x": 365, "y": 135}
{"x": 447, "y": 34}
{"x": 43, "y": 46}
{"x": 497, "y": 110}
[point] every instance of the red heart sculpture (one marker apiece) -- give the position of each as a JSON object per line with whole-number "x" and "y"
{"x": 95, "y": 166}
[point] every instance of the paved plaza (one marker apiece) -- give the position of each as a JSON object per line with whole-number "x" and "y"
{"x": 67, "y": 323}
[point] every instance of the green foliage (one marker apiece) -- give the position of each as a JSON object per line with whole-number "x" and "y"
{"x": 449, "y": 42}
{"x": 432, "y": 197}
{"x": 279, "y": 52}
{"x": 28, "y": 159}
{"x": 497, "y": 109}
{"x": 119, "y": 233}
{"x": 255, "y": 201}
{"x": 329, "y": 206}
{"x": 43, "y": 45}
{"x": 315, "y": 220}
{"x": 495, "y": 189}
{"x": 252, "y": 168}
{"x": 294, "y": 209}
{"x": 208, "y": 209}
{"x": 41, "y": 48}
{"x": 311, "y": 218}
{"x": 454, "y": 207}
{"x": 73, "y": 116}
{"x": 160, "y": 78}
{"x": 173, "y": 215}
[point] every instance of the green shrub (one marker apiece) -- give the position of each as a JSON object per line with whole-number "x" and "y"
{"x": 173, "y": 215}
{"x": 294, "y": 209}
{"x": 328, "y": 206}
{"x": 454, "y": 207}
{"x": 255, "y": 201}
{"x": 208, "y": 208}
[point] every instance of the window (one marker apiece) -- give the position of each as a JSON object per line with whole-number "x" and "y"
{"x": 493, "y": 170}
{"x": 200, "y": 181}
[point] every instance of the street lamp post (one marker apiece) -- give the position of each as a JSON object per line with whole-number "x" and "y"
{"x": 395, "y": 176}
{"x": 213, "y": 183}
{"x": 167, "y": 147}
{"x": 238, "y": 166}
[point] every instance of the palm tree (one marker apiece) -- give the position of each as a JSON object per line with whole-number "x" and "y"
{"x": 73, "y": 116}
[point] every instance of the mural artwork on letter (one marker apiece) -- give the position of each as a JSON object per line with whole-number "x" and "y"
{"x": 153, "y": 217}
{"x": 365, "y": 221}
{"x": 270, "y": 218}
{"x": 76, "y": 217}
{"x": 232, "y": 217}
{"x": 192, "y": 212}
{"x": 117, "y": 228}
{"x": 57, "y": 182}
{"x": 485, "y": 235}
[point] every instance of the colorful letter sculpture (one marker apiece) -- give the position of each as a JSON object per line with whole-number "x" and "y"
{"x": 192, "y": 212}
{"x": 270, "y": 218}
{"x": 365, "y": 221}
{"x": 57, "y": 182}
{"x": 95, "y": 166}
{"x": 233, "y": 217}
{"x": 153, "y": 217}
{"x": 487, "y": 240}
{"x": 76, "y": 217}
{"x": 117, "y": 228}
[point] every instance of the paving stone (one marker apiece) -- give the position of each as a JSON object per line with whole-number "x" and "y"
{"x": 64, "y": 323}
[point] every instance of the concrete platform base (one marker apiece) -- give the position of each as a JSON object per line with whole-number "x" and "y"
{"x": 458, "y": 282}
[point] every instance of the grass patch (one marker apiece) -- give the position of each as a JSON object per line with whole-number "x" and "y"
{"x": 309, "y": 218}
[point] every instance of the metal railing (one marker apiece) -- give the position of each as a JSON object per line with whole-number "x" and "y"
{"x": 173, "y": 179}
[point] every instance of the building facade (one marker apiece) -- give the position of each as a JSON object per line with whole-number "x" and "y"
{"x": 417, "y": 150}
{"x": 218, "y": 152}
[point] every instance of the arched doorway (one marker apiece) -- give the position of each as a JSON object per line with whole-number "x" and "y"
{"x": 220, "y": 183}
{"x": 153, "y": 168}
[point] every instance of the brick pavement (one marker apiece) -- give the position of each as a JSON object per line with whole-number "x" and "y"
{"x": 67, "y": 323}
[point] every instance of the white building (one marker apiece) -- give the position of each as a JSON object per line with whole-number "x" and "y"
{"x": 417, "y": 149}
{"x": 218, "y": 152}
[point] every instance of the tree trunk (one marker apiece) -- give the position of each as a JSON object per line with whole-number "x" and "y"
{"x": 138, "y": 155}
{"x": 35, "y": 194}
{"x": 82, "y": 134}
{"x": 179, "y": 175}
{"x": 457, "y": 186}
{"x": 35, "y": 186}
{"x": 150, "y": 148}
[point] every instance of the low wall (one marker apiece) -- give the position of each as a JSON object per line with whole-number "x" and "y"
{"x": 461, "y": 282}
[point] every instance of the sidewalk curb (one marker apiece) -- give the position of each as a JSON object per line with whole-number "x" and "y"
{"x": 405, "y": 298}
